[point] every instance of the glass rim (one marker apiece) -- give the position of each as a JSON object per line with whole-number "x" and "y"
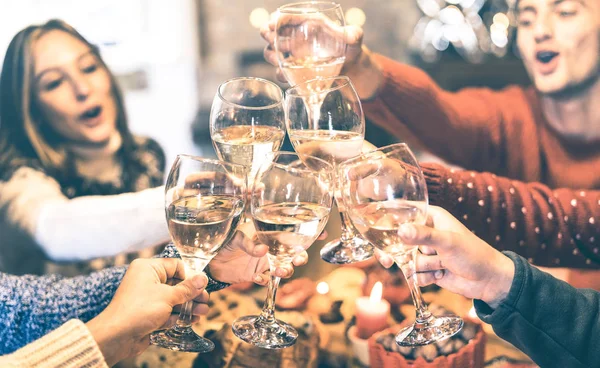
{"x": 261, "y": 80}
{"x": 299, "y": 155}
{"x": 385, "y": 150}
{"x": 294, "y": 8}
{"x": 210, "y": 160}
{"x": 294, "y": 91}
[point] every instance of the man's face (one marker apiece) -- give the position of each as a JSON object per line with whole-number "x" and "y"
{"x": 559, "y": 41}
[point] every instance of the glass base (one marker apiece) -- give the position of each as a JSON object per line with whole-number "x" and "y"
{"x": 268, "y": 335}
{"x": 429, "y": 331}
{"x": 181, "y": 339}
{"x": 355, "y": 250}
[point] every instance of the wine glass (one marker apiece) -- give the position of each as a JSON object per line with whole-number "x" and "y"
{"x": 291, "y": 200}
{"x": 334, "y": 134}
{"x": 247, "y": 121}
{"x": 204, "y": 201}
{"x": 310, "y": 40}
{"x": 382, "y": 190}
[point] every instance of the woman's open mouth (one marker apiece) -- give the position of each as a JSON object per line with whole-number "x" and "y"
{"x": 91, "y": 116}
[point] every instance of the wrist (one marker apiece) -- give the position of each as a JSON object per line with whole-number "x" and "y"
{"x": 366, "y": 75}
{"x": 106, "y": 335}
{"x": 500, "y": 282}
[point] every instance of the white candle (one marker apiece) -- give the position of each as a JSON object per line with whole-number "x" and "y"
{"x": 371, "y": 312}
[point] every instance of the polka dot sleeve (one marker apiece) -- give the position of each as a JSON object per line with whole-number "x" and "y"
{"x": 549, "y": 227}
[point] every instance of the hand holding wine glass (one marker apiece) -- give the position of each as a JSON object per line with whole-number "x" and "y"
{"x": 201, "y": 219}
{"x": 461, "y": 262}
{"x": 382, "y": 190}
{"x": 291, "y": 200}
{"x": 359, "y": 63}
{"x": 309, "y": 40}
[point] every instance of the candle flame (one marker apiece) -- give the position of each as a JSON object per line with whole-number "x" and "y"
{"x": 322, "y": 288}
{"x": 376, "y": 292}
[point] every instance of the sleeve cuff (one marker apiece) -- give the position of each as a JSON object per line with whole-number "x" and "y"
{"x": 170, "y": 251}
{"x": 70, "y": 345}
{"x": 508, "y": 306}
{"x": 434, "y": 177}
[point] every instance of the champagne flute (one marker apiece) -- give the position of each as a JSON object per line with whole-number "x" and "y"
{"x": 382, "y": 190}
{"x": 204, "y": 201}
{"x": 247, "y": 122}
{"x": 310, "y": 40}
{"x": 336, "y": 135}
{"x": 291, "y": 200}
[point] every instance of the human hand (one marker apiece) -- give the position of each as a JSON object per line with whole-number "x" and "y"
{"x": 455, "y": 259}
{"x": 244, "y": 259}
{"x": 353, "y": 36}
{"x": 144, "y": 302}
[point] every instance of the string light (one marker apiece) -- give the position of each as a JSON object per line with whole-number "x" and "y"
{"x": 460, "y": 23}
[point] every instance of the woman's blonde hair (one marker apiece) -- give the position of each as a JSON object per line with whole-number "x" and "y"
{"x": 23, "y": 134}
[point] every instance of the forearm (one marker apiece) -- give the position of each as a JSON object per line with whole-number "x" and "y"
{"x": 34, "y": 305}
{"x": 100, "y": 226}
{"x": 409, "y": 102}
{"x": 71, "y": 345}
{"x": 549, "y": 320}
{"x": 85, "y": 227}
{"x": 555, "y": 228}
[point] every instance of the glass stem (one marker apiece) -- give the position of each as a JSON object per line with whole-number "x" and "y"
{"x": 184, "y": 321}
{"x": 268, "y": 311}
{"x": 347, "y": 227}
{"x": 406, "y": 262}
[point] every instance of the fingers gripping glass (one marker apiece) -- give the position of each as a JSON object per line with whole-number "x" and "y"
{"x": 310, "y": 40}
{"x": 291, "y": 200}
{"x": 334, "y": 132}
{"x": 204, "y": 201}
{"x": 382, "y": 190}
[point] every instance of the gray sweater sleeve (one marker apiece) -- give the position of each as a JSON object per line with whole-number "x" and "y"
{"x": 32, "y": 306}
{"x": 553, "y": 323}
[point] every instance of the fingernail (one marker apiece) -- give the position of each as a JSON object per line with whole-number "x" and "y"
{"x": 200, "y": 281}
{"x": 258, "y": 278}
{"x": 407, "y": 231}
{"x": 438, "y": 274}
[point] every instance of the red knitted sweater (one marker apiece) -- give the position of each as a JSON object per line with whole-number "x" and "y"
{"x": 545, "y": 202}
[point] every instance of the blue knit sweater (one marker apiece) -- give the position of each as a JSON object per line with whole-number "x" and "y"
{"x": 31, "y": 306}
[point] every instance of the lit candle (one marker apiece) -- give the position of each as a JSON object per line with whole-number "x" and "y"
{"x": 371, "y": 313}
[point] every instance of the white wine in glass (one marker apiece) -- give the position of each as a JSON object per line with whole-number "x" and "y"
{"x": 291, "y": 201}
{"x": 247, "y": 121}
{"x": 334, "y": 131}
{"x": 310, "y": 40}
{"x": 204, "y": 202}
{"x": 382, "y": 190}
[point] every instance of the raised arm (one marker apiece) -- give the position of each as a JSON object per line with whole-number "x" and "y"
{"x": 85, "y": 227}
{"x": 32, "y": 306}
{"x": 549, "y": 227}
{"x": 468, "y": 128}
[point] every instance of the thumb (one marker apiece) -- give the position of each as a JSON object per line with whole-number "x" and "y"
{"x": 188, "y": 289}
